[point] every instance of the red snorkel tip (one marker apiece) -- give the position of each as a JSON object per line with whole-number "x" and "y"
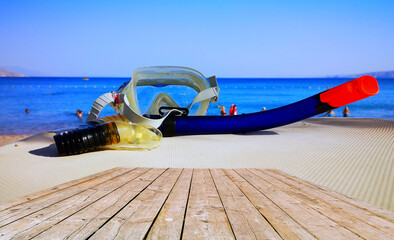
{"x": 350, "y": 92}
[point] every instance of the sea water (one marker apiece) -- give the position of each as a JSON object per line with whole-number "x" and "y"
{"x": 53, "y": 101}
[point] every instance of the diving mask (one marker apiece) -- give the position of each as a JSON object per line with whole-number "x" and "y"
{"x": 125, "y": 100}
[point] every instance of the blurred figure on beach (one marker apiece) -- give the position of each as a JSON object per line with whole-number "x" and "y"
{"x": 263, "y": 109}
{"x": 223, "y": 111}
{"x": 27, "y": 110}
{"x": 233, "y": 110}
{"x": 346, "y": 112}
{"x": 331, "y": 114}
{"x": 79, "y": 113}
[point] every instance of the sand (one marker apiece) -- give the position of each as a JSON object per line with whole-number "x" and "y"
{"x": 7, "y": 139}
{"x": 351, "y": 156}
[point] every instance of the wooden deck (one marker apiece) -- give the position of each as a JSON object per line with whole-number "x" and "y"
{"x": 141, "y": 203}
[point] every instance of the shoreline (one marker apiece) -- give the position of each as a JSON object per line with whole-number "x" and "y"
{"x": 7, "y": 139}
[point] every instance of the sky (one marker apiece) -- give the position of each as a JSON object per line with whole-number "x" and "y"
{"x": 223, "y": 38}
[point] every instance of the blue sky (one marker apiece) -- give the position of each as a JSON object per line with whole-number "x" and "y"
{"x": 222, "y": 38}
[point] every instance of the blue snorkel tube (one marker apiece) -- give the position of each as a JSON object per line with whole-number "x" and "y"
{"x": 341, "y": 95}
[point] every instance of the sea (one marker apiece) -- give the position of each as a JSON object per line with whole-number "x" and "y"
{"x": 53, "y": 101}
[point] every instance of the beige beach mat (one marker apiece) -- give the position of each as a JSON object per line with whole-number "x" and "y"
{"x": 351, "y": 156}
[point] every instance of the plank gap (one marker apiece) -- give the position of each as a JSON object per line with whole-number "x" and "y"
{"x": 221, "y": 201}
{"x": 164, "y": 202}
{"x": 187, "y": 204}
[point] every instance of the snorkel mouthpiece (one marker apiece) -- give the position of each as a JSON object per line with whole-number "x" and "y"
{"x": 87, "y": 139}
{"x": 109, "y": 135}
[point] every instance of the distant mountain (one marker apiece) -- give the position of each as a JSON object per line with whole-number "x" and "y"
{"x": 5, "y": 73}
{"x": 24, "y": 71}
{"x": 384, "y": 74}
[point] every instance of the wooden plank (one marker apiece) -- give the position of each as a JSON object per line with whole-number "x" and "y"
{"x": 205, "y": 215}
{"x": 169, "y": 223}
{"x": 50, "y": 216}
{"x": 312, "y": 220}
{"x": 246, "y": 221}
{"x": 84, "y": 223}
{"x": 286, "y": 226}
{"x": 57, "y": 188}
{"x": 338, "y": 204}
{"x": 134, "y": 221}
{"x": 332, "y": 212}
{"x": 14, "y": 213}
{"x": 346, "y": 202}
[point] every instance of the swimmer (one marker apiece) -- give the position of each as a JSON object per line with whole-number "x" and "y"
{"x": 223, "y": 111}
{"x": 231, "y": 111}
{"x": 235, "y": 112}
{"x": 79, "y": 113}
{"x": 346, "y": 112}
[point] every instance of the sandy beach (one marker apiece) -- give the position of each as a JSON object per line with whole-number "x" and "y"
{"x": 351, "y": 156}
{"x": 7, "y": 139}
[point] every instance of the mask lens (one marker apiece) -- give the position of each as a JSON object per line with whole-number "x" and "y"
{"x": 181, "y": 95}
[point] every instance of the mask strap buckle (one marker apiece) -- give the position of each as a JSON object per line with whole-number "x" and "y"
{"x": 181, "y": 111}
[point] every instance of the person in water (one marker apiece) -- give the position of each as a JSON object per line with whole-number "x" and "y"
{"x": 235, "y": 112}
{"x": 346, "y": 112}
{"x": 223, "y": 111}
{"x": 27, "y": 110}
{"x": 331, "y": 114}
{"x": 79, "y": 113}
{"x": 231, "y": 111}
